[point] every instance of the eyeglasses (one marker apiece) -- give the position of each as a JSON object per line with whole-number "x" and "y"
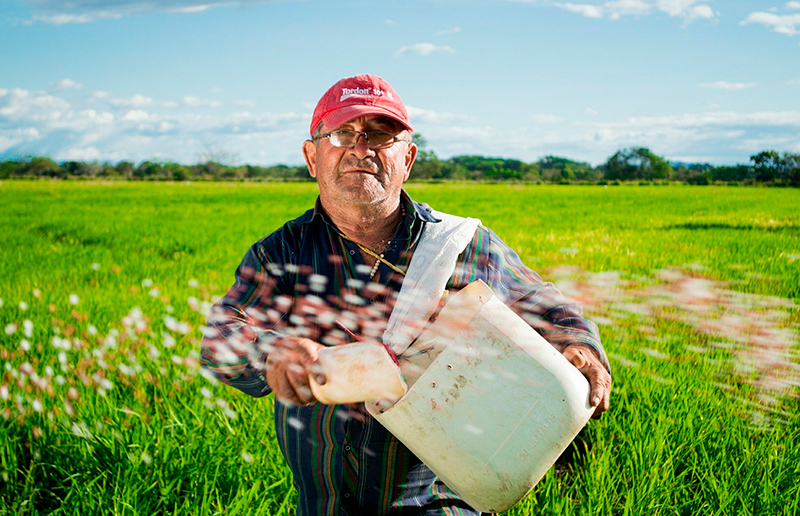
{"x": 347, "y": 139}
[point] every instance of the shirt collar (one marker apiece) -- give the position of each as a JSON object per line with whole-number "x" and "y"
{"x": 421, "y": 211}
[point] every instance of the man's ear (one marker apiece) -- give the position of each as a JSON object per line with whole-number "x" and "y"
{"x": 411, "y": 155}
{"x": 310, "y": 155}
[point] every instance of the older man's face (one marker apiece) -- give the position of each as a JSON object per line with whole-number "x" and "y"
{"x": 360, "y": 175}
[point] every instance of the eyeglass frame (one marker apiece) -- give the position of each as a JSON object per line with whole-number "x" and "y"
{"x": 358, "y": 134}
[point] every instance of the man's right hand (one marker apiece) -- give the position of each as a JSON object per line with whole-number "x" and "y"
{"x": 289, "y": 363}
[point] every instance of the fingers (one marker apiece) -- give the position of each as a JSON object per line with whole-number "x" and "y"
{"x": 588, "y": 363}
{"x": 575, "y": 355}
{"x": 288, "y": 366}
{"x": 600, "y": 381}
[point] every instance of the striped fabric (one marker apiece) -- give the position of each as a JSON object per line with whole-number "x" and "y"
{"x": 298, "y": 281}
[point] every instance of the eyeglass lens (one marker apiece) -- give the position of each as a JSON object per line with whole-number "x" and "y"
{"x": 375, "y": 139}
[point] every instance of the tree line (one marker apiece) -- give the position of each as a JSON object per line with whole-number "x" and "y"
{"x": 634, "y": 164}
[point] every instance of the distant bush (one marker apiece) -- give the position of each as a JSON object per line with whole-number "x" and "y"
{"x": 632, "y": 165}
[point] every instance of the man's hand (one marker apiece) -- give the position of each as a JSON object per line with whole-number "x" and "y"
{"x": 585, "y": 359}
{"x": 289, "y": 363}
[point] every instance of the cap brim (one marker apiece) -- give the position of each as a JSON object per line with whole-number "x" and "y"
{"x": 343, "y": 115}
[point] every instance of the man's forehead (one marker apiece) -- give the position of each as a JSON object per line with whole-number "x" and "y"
{"x": 373, "y": 121}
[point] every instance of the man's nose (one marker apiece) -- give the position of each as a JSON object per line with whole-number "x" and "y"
{"x": 361, "y": 149}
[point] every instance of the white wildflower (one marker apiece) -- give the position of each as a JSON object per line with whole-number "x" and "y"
{"x": 73, "y": 299}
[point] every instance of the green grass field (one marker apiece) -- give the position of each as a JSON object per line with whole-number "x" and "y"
{"x": 104, "y": 289}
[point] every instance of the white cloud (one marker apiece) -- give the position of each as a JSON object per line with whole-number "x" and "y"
{"x": 83, "y": 154}
{"x": 454, "y": 30}
{"x": 135, "y": 115}
{"x": 590, "y": 11}
{"x": 546, "y": 119}
{"x": 18, "y": 104}
{"x": 64, "y": 19}
{"x": 13, "y": 137}
{"x": 197, "y": 102}
{"x": 138, "y": 100}
{"x": 590, "y": 112}
{"x": 190, "y": 9}
{"x": 423, "y": 49}
{"x": 730, "y": 119}
{"x": 89, "y": 127}
{"x": 619, "y": 8}
{"x": 725, "y": 85}
{"x": 780, "y": 23}
{"x": 58, "y": 12}
{"x": 419, "y": 115}
{"x": 720, "y": 137}
{"x": 688, "y": 10}
{"x": 793, "y": 5}
{"x": 37, "y": 122}
{"x": 68, "y": 84}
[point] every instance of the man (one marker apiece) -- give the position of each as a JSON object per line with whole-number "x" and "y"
{"x": 333, "y": 274}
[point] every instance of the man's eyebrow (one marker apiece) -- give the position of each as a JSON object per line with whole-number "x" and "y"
{"x": 381, "y": 123}
{"x": 387, "y": 122}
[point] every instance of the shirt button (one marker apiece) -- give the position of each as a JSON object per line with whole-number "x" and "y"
{"x": 352, "y": 252}
{"x": 347, "y": 495}
{"x": 347, "y": 448}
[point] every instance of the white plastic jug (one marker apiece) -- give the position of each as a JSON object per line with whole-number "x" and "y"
{"x": 496, "y": 406}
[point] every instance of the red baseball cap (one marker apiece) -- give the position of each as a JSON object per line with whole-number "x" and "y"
{"x": 353, "y": 97}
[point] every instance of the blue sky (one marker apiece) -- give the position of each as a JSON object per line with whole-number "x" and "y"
{"x": 181, "y": 80}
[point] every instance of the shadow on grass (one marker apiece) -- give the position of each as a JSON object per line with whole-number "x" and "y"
{"x": 701, "y": 226}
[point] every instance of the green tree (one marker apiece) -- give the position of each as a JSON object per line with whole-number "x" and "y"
{"x": 558, "y": 169}
{"x": 177, "y": 172}
{"x": 82, "y": 169}
{"x": 637, "y": 163}
{"x": 150, "y": 171}
{"x": 42, "y": 167}
{"x": 767, "y": 165}
{"x": 427, "y": 165}
{"x": 9, "y": 169}
{"x": 791, "y": 168}
{"x": 125, "y": 169}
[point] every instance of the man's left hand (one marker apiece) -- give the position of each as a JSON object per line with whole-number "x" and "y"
{"x": 585, "y": 359}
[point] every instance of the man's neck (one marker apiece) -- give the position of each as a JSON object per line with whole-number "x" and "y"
{"x": 371, "y": 225}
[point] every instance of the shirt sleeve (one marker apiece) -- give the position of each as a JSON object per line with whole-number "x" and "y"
{"x": 559, "y": 320}
{"x": 239, "y": 333}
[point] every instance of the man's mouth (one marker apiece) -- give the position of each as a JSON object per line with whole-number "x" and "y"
{"x": 360, "y": 171}
{"x": 360, "y": 167}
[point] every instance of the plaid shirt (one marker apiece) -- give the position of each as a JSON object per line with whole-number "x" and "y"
{"x": 298, "y": 281}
